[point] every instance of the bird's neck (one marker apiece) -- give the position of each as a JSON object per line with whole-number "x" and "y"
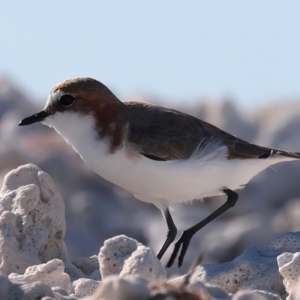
{"x": 85, "y": 131}
{"x": 111, "y": 125}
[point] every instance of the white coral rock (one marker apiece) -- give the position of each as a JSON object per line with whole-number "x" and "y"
{"x": 289, "y": 268}
{"x": 255, "y": 295}
{"x": 255, "y": 269}
{"x": 295, "y": 292}
{"x": 51, "y": 273}
{"x": 117, "y": 288}
{"x": 85, "y": 287}
{"x": 123, "y": 256}
{"x": 32, "y": 220}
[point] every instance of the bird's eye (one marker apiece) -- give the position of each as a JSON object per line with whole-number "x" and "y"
{"x": 66, "y": 100}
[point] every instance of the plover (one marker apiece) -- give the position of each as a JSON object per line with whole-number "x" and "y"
{"x": 160, "y": 155}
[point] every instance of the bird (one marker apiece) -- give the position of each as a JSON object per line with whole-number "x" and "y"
{"x": 160, "y": 155}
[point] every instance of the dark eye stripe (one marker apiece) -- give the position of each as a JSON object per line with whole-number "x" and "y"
{"x": 66, "y": 100}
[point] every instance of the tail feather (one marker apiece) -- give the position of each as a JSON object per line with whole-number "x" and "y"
{"x": 244, "y": 150}
{"x": 295, "y": 155}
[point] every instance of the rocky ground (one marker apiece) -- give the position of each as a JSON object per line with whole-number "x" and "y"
{"x": 35, "y": 262}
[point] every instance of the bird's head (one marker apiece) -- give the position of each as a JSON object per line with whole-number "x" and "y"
{"x": 76, "y": 106}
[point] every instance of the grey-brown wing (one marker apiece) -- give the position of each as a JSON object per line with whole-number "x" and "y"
{"x": 165, "y": 134}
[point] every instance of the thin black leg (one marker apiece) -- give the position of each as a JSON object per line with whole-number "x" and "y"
{"x": 187, "y": 235}
{"x": 171, "y": 235}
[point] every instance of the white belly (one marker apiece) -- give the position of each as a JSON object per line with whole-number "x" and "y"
{"x": 174, "y": 181}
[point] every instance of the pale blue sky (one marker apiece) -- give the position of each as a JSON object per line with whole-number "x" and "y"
{"x": 177, "y": 50}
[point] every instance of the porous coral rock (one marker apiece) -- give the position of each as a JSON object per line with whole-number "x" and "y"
{"x": 85, "y": 287}
{"x": 289, "y": 268}
{"x": 118, "y": 288}
{"x": 255, "y": 295}
{"x": 255, "y": 269}
{"x": 51, "y": 273}
{"x": 123, "y": 256}
{"x": 295, "y": 293}
{"x": 32, "y": 221}
{"x": 32, "y": 228}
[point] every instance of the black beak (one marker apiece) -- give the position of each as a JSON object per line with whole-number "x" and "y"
{"x": 35, "y": 118}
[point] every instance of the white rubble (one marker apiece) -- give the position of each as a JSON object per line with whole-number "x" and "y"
{"x": 201, "y": 291}
{"x": 32, "y": 220}
{"x": 34, "y": 261}
{"x": 295, "y": 292}
{"x": 254, "y": 295}
{"x": 117, "y": 288}
{"x": 289, "y": 268}
{"x": 85, "y": 287}
{"x": 30, "y": 291}
{"x": 255, "y": 269}
{"x": 51, "y": 273}
{"x": 124, "y": 256}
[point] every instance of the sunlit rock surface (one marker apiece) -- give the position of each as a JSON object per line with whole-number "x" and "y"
{"x": 32, "y": 220}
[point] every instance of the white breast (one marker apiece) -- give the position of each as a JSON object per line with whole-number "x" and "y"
{"x": 162, "y": 183}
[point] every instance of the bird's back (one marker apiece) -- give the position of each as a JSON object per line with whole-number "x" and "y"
{"x": 166, "y": 134}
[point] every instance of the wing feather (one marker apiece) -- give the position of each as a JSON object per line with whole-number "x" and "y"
{"x": 165, "y": 134}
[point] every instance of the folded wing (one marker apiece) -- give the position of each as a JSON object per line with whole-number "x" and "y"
{"x": 165, "y": 134}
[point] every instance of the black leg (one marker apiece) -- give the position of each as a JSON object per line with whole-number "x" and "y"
{"x": 187, "y": 235}
{"x": 171, "y": 235}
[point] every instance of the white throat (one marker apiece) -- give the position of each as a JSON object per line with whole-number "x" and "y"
{"x": 78, "y": 131}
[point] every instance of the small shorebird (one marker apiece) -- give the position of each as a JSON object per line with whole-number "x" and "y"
{"x": 160, "y": 155}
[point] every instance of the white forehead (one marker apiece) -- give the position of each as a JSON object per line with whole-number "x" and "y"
{"x": 54, "y": 96}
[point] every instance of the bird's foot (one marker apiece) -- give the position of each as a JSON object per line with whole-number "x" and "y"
{"x": 183, "y": 243}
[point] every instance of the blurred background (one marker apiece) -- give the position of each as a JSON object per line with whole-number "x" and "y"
{"x": 235, "y": 64}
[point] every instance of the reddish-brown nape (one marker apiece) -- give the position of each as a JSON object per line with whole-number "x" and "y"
{"x": 94, "y": 98}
